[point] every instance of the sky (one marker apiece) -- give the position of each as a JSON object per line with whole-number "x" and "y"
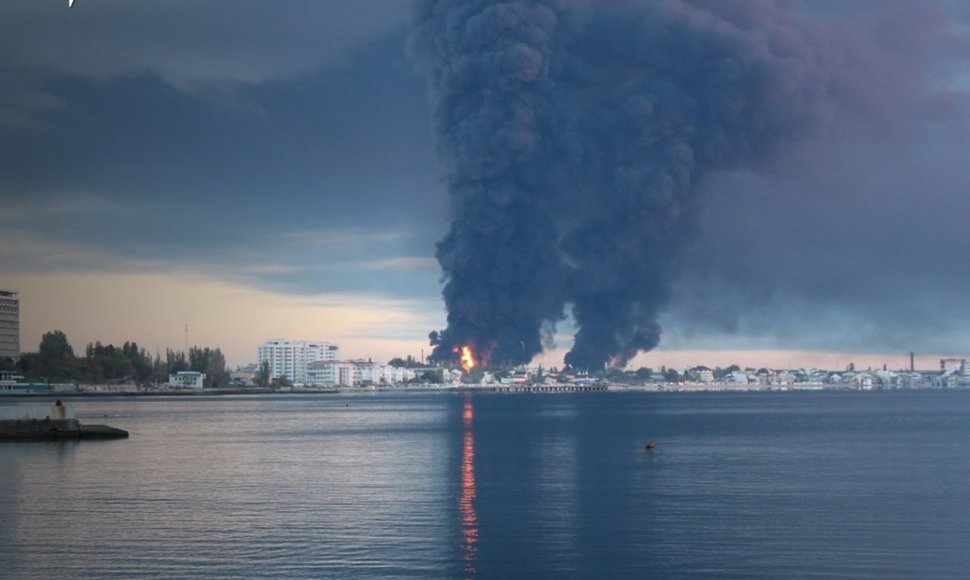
{"x": 258, "y": 169}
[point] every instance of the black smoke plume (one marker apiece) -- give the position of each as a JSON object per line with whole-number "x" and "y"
{"x": 575, "y": 134}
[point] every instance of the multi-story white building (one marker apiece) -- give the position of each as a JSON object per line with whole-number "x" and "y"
{"x": 355, "y": 373}
{"x": 9, "y": 325}
{"x": 703, "y": 374}
{"x": 394, "y": 375}
{"x": 332, "y": 373}
{"x": 291, "y": 357}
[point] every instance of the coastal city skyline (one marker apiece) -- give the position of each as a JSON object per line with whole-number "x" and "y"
{"x": 241, "y": 346}
{"x": 241, "y": 354}
{"x": 316, "y": 210}
{"x": 308, "y": 366}
{"x": 10, "y": 323}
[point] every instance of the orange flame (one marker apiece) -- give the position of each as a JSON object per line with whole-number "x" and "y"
{"x": 468, "y": 361}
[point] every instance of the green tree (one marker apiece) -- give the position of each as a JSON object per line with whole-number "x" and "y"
{"x": 55, "y": 357}
{"x": 142, "y": 363}
{"x": 720, "y": 373}
{"x": 432, "y": 376}
{"x": 610, "y": 374}
{"x": 175, "y": 362}
{"x": 159, "y": 373}
{"x": 540, "y": 377}
{"x": 211, "y": 362}
{"x": 53, "y": 347}
{"x": 643, "y": 373}
{"x": 408, "y": 362}
{"x": 263, "y": 376}
{"x": 28, "y": 364}
{"x": 7, "y": 364}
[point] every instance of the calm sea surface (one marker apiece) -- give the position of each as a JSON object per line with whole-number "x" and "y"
{"x": 743, "y": 485}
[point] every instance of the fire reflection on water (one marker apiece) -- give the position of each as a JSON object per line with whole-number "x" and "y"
{"x": 466, "y": 503}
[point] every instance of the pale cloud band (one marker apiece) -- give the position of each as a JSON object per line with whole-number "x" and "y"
{"x": 152, "y": 309}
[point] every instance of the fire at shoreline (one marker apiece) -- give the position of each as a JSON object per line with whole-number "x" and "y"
{"x": 467, "y": 357}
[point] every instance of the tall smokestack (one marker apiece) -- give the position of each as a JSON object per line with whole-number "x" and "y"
{"x": 575, "y": 135}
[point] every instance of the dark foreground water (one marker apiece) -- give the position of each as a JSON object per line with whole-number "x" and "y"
{"x": 773, "y": 485}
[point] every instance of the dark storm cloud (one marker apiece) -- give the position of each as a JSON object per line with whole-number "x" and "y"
{"x": 190, "y": 42}
{"x": 233, "y": 177}
{"x": 583, "y": 139}
{"x": 268, "y": 144}
{"x": 863, "y": 252}
{"x": 852, "y": 240}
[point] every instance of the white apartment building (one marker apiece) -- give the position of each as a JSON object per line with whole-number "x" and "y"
{"x": 703, "y": 374}
{"x": 9, "y": 325}
{"x": 394, "y": 375}
{"x": 332, "y": 373}
{"x": 291, "y": 357}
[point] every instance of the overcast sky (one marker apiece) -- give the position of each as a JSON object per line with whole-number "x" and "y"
{"x": 262, "y": 169}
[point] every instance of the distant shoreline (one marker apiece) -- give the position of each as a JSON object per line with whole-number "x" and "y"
{"x": 688, "y": 389}
{"x": 199, "y": 393}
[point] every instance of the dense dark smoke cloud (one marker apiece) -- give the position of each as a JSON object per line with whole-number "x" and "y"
{"x": 576, "y": 135}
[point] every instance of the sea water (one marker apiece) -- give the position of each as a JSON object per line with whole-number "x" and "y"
{"x": 407, "y": 485}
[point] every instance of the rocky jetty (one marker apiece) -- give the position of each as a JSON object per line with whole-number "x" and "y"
{"x": 50, "y": 422}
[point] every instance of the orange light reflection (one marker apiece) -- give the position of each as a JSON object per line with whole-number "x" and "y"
{"x": 466, "y": 503}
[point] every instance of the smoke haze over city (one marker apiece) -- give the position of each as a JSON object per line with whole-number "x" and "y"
{"x": 577, "y": 136}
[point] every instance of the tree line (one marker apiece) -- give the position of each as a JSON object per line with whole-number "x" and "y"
{"x": 55, "y": 361}
{"x": 669, "y": 375}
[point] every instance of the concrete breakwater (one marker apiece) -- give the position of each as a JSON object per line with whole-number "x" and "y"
{"x": 46, "y": 422}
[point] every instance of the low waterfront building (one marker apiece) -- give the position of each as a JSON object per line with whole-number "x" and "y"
{"x": 703, "y": 374}
{"x": 355, "y": 373}
{"x": 954, "y": 376}
{"x": 11, "y": 382}
{"x": 887, "y": 379}
{"x": 186, "y": 380}
{"x": 103, "y": 388}
{"x": 911, "y": 380}
{"x": 245, "y": 377}
{"x": 863, "y": 380}
{"x": 330, "y": 374}
{"x": 784, "y": 378}
{"x": 10, "y": 378}
{"x": 954, "y": 364}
